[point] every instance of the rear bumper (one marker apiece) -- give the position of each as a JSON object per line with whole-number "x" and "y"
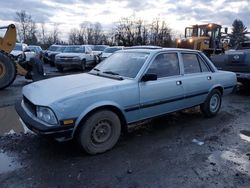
{"x": 57, "y": 131}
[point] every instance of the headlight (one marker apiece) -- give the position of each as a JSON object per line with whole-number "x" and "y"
{"x": 45, "y": 114}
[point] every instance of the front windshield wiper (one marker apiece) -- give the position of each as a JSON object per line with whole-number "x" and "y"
{"x": 96, "y": 69}
{"x": 110, "y": 72}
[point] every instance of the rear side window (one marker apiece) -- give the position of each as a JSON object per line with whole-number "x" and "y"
{"x": 204, "y": 67}
{"x": 191, "y": 63}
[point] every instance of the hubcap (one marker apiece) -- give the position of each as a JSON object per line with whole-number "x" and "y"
{"x": 101, "y": 132}
{"x": 2, "y": 70}
{"x": 214, "y": 103}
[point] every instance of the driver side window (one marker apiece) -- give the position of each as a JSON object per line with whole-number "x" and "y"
{"x": 164, "y": 65}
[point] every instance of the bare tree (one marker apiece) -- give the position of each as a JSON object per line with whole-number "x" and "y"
{"x": 26, "y": 27}
{"x": 88, "y": 33}
{"x": 74, "y": 36}
{"x": 55, "y": 33}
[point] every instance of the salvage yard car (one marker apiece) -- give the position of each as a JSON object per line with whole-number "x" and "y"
{"x": 128, "y": 87}
{"x": 75, "y": 56}
{"x": 108, "y": 51}
{"x": 237, "y": 61}
{"x": 21, "y": 53}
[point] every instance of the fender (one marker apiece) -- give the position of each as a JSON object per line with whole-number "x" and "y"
{"x": 93, "y": 107}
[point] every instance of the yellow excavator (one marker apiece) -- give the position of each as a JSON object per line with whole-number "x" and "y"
{"x": 205, "y": 37}
{"x": 9, "y": 68}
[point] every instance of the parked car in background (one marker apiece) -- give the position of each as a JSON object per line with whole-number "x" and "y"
{"x": 97, "y": 51}
{"x": 237, "y": 61}
{"x": 37, "y": 49}
{"x": 128, "y": 87}
{"x": 21, "y": 53}
{"x": 53, "y": 50}
{"x": 75, "y": 56}
{"x": 108, "y": 51}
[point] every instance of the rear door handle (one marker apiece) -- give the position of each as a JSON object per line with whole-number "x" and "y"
{"x": 209, "y": 78}
{"x": 178, "y": 83}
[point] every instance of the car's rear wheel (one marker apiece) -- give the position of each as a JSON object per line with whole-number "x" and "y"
{"x": 212, "y": 104}
{"x": 100, "y": 132}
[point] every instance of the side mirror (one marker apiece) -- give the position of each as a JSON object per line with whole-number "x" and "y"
{"x": 149, "y": 77}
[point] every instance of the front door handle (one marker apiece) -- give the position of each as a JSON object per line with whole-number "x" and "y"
{"x": 209, "y": 78}
{"x": 178, "y": 83}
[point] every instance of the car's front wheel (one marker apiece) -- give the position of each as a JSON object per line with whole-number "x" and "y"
{"x": 212, "y": 104}
{"x": 100, "y": 132}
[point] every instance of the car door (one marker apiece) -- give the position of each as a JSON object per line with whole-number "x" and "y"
{"x": 165, "y": 94}
{"x": 197, "y": 80}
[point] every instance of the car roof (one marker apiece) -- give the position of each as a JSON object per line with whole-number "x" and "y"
{"x": 161, "y": 50}
{"x": 143, "y": 47}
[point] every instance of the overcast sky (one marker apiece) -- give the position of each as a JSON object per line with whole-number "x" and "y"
{"x": 177, "y": 13}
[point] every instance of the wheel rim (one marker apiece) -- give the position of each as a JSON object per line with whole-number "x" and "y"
{"x": 101, "y": 132}
{"x": 214, "y": 103}
{"x": 2, "y": 70}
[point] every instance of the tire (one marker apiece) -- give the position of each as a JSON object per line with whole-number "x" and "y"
{"x": 59, "y": 68}
{"x": 7, "y": 71}
{"x": 83, "y": 66}
{"x": 212, "y": 104}
{"x": 100, "y": 132}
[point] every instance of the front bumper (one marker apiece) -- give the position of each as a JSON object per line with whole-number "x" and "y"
{"x": 35, "y": 125}
{"x": 69, "y": 63}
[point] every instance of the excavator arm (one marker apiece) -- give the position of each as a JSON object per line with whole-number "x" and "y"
{"x": 8, "y": 42}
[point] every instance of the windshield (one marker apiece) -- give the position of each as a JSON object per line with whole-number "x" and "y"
{"x": 99, "y": 48}
{"x": 126, "y": 64}
{"x": 111, "y": 50}
{"x": 18, "y": 47}
{"x": 74, "y": 49}
{"x": 53, "y": 48}
{"x": 60, "y": 49}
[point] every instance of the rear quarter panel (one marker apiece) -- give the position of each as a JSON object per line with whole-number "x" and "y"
{"x": 225, "y": 79}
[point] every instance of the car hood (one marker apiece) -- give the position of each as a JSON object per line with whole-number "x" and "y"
{"x": 48, "y": 91}
{"x": 69, "y": 54}
{"x": 16, "y": 52}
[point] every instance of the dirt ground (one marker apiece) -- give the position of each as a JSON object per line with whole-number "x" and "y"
{"x": 183, "y": 149}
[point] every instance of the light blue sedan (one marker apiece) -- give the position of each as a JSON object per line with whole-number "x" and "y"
{"x": 130, "y": 86}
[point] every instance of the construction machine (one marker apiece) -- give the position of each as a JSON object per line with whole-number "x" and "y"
{"x": 205, "y": 37}
{"x": 9, "y": 68}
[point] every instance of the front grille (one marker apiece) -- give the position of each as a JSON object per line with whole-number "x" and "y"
{"x": 29, "y": 105}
